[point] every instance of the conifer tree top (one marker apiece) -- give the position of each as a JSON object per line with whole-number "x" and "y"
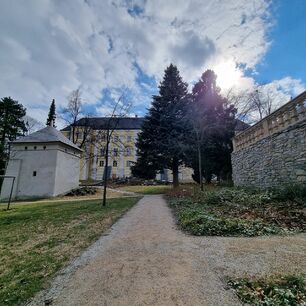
{"x": 51, "y": 115}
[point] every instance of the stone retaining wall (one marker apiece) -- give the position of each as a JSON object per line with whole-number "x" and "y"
{"x": 274, "y": 160}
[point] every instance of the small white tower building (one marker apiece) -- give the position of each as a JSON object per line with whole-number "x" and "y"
{"x": 44, "y": 164}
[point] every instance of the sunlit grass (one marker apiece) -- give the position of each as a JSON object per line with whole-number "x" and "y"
{"x": 36, "y": 240}
{"x": 152, "y": 189}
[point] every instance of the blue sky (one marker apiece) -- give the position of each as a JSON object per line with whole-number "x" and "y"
{"x": 287, "y": 54}
{"x": 107, "y": 48}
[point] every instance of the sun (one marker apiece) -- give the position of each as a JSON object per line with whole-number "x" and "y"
{"x": 228, "y": 75}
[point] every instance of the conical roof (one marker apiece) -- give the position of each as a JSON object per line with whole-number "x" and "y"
{"x": 47, "y": 134}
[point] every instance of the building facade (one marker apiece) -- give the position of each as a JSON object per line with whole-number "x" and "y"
{"x": 122, "y": 148}
{"x": 92, "y": 134}
{"x": 44, "y": 164}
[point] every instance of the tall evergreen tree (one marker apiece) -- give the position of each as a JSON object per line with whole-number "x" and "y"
{"x": 11, "y": 125}
{"x": 161, "y": 142}
{"x": 212, "y": 122}
{"x": 51, "y": 115}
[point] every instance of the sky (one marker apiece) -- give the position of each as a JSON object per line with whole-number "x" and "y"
{"x": 50, "y": 47}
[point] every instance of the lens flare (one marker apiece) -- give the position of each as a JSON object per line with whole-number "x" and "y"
{"x": 228, "y": 75}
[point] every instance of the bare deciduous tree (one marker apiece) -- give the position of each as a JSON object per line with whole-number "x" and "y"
{"x": 120, "y": 110}
{"x": 253, "y": 105}
{"x": 73, "y": 111}
{"x": 86, "y": 134}
{"x": 32, "y": 124}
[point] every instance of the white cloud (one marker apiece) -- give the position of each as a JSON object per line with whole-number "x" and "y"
{"x": 272, "y": 96}
{"x": 49, "y": 48}
{"x": 281, "y": 91}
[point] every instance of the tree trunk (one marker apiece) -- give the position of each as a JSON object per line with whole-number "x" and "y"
{"x": 105, "y": 169}
{"x": 73, "y": 133}
{"x": 175, "y": 172}
{"x": 200, "y": 167}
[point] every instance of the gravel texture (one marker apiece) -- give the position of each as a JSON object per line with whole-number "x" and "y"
{"x": 145, "y": 260}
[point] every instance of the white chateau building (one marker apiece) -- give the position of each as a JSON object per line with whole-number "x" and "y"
{"x": 44, "y": 164}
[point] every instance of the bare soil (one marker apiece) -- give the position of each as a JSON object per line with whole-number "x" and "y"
{"x": 145, "y": 260}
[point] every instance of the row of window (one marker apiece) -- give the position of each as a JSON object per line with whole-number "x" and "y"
{"x": 35, "y": 148}
{"x": 128, "y": 151}
{"x": 45, "y": 147}
{"x": 129, "y": 163}
{"x": 116, "y": 138}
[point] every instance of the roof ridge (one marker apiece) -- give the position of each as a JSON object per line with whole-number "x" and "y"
{"x": 94, "y": 117}
{"x": 47, "y": 134}
{"x": 123, "y": 123}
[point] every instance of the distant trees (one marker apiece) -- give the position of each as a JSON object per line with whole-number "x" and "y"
{"x": 255, "y": 104}
{"x": 194, "y": 130}
{"x": 78, "y": 120}
{"x": 72, "y": 111}
{"x": 160, "y": 143}
{"x": 261, "y": 101}
{"x": 51, "y": 115}
{"x": 11, "y": 125}
{"x": 32, "y": 125}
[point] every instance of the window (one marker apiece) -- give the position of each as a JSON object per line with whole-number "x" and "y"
{"x": 34, "y": 173}
{"x": 103, "y": 138}
{"x": 128, "y": 151}
{"x": 102, "y": 151}
{"x": 115, "y": 163}
{"x": 101, "y": 163}
{"x": 129, "y": 138}
{"x": 116, "y": 138}
{"x": 115, "y": 151}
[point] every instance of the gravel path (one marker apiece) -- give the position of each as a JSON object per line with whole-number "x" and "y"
{"x": 145, "y": 260}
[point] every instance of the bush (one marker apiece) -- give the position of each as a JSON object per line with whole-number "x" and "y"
{"x": 237, "y": 212}
{"x": 295, "y": 192}
{"x": 212, "y": 198}
{"x": 235, "y": 196}
{"x": 181, "y": 202}
{"x": 286, "y": 290}
{"x": 197, "y": 222}
{"x": 82, "y": 191}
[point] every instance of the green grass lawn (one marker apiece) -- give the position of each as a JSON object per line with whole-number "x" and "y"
{"x": 154, "y": 189}
{"x": 36, "y": 240}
